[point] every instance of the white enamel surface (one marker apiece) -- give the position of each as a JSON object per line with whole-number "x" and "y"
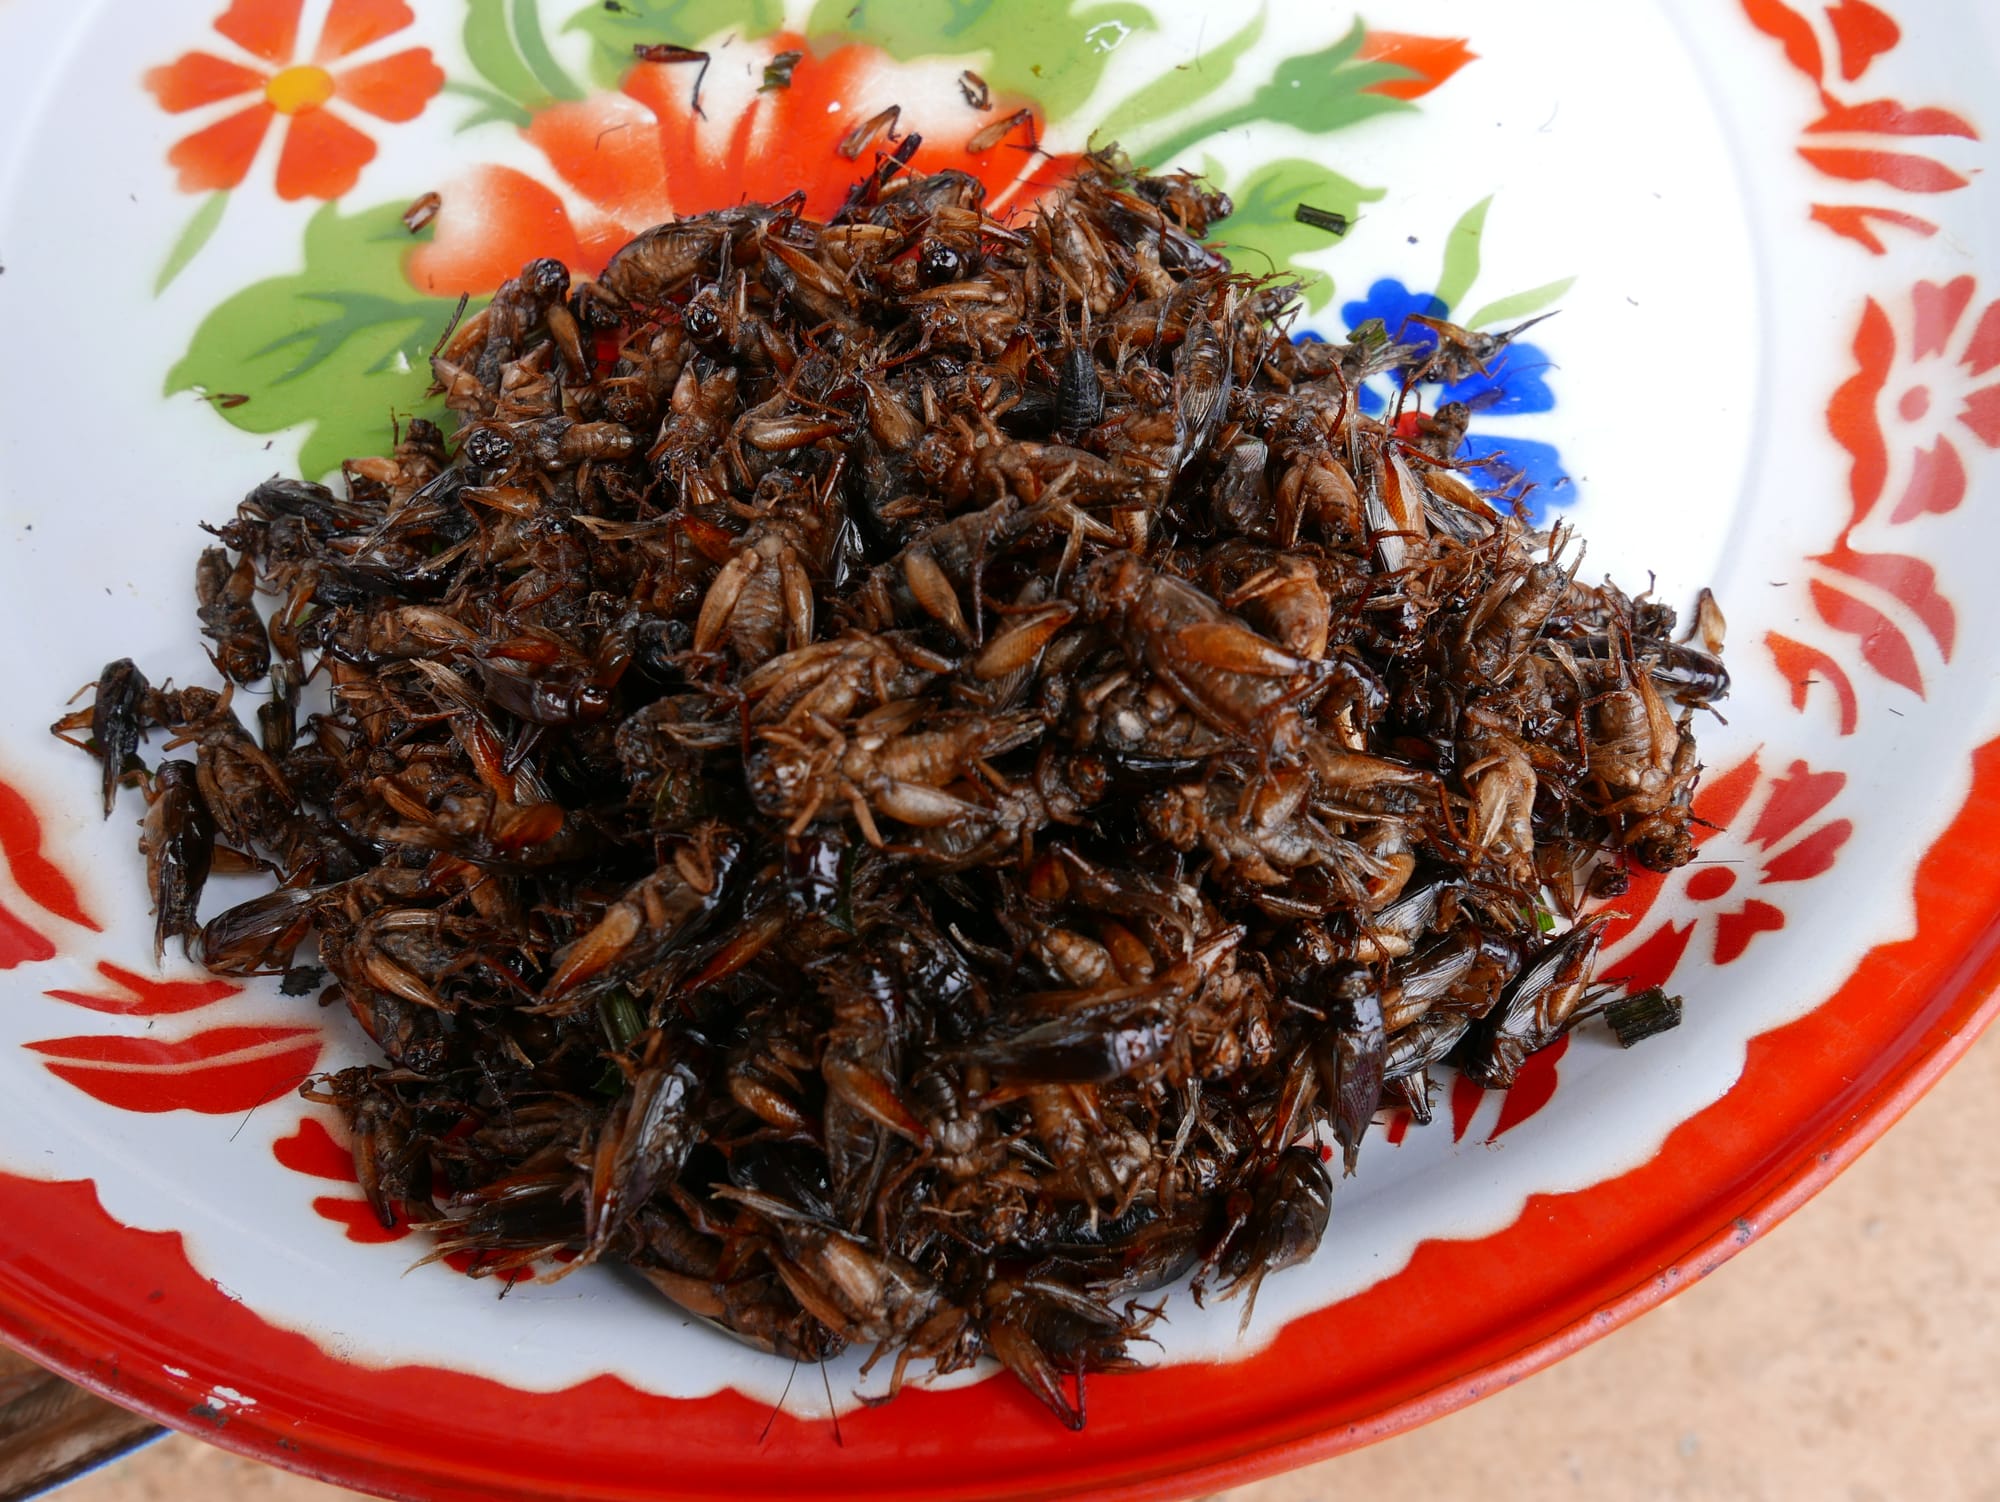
{"x": 1647, "y": 149}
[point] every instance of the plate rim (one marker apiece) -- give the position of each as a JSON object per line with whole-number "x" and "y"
{"x": 1938, "y": 1026}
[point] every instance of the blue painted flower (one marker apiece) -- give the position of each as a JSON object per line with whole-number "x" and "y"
{"x": 1513, "y": 384}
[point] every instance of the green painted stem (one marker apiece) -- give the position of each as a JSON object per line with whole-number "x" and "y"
{"x": 535, "y": 51}
{"x": 192, "y": 239}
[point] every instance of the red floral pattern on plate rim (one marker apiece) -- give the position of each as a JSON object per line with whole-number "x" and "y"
{"x": 1869, "y": 142}
{"x": 1904, "y": 1015}
{"x": 1923, "y": 388}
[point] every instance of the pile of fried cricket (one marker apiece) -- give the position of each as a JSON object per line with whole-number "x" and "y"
{"x": 897, "y": 776}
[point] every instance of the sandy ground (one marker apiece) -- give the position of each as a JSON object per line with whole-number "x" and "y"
{"x": 1849, "y": 1356}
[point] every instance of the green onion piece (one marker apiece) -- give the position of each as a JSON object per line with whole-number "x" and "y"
{"x": 842, "y": 916}
{"x": 1639, "y": 1017}
{"x": 778, "y": 71}
{"x": 1326, "y": 219}
{"x": 623, "y": 1021}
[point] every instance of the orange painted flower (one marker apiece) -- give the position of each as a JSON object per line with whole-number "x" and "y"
{"x": 1431, "y": 59}
{"x": 322, "y": 153}
{"x": 625, "y": 161}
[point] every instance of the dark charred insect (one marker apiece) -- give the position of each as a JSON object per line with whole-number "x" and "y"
{"x": 667, "y": 52}
{"x": 986, "y": 138}
{"x": 883, "y": 122}
{"x": 1080, "y": 1052}
{"x": 640, "y": 1149}
{"x": 177, "y": 837}
{"x": 868, "y": 768}
{"x": 121, "y": 701}
{"x": 258, "y": 937}
{"x": 422, "y": 212}
{"x": 1552, "y": 995}
{"x": 1079, "y": 393}
{"x": 1686, "y": 673}
{"x": 278, "y": 716}
{"x": 973, "y": 87}
{"x": 900, "y": 776}
{"x": 1462, "y": 353}
{"x": 1349, "y": 1054}
{"x": 1286, "y": 1218}
{"x": 225, "y": 597}
{"x": 1708, "y": 626}
{"x": 1238, "y": 683}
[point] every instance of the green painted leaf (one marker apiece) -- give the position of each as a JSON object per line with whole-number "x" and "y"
{"x": 1521, "y": 304}
{"x": 489, "y": 43}
{"x": 1263, "y": 222}
{"x": 1461, "y": 254}
{"x": 341, "y": 347}
{"x": 686, "y": 23}
{"x": 492, "y": 106}
{"x": 1317, "y": 92}
{"x": 1050, "y": 51}
{"x": 535, "y": 52}
{"x": 189, "y": 245}
{"x": 1181, "y": 88}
